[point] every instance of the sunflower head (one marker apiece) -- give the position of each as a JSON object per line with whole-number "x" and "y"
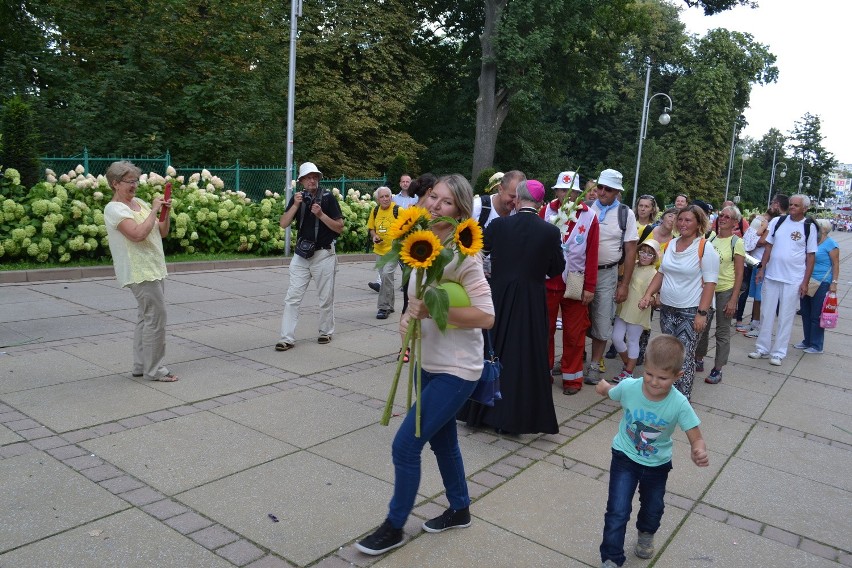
{"x": 420, "y": 249}
{"x": 408, "y": 219}
{"x": 468, "y": 237}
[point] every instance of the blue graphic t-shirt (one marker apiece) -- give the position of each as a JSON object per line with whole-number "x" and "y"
{"x": 646, "y": 427}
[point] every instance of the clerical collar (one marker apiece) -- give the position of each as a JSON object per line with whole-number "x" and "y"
{"x": 528, "y": 210}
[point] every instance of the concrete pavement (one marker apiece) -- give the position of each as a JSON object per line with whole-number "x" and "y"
{"x": 99, "y": 469}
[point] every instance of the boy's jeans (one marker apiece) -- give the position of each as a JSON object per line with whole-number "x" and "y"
{"x": 624, "y": 475}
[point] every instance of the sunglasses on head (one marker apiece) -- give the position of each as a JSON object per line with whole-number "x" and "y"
{"x": 651, "y": 197}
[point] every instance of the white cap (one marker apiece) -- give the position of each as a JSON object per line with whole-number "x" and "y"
{"x": 494, "y": 181}
{"x": 567, "y": 180}
{"x": 611, "y": 178}
{"x": 308, "y": 168}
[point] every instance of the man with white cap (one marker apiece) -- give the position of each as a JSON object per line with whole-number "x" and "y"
{"x": 618, "y": 236}
{"x": 319, "y": 221}
{"x": 486, "y": 208}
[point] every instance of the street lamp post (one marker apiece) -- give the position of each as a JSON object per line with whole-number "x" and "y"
{"x": 295, "y": 14}
{"x": 740, "y": 185}
{"x": 801, "y": 181}
{"x": 772, "y": 178}
{"x": 664, "y": 119}
{"x": 731, "y": 158}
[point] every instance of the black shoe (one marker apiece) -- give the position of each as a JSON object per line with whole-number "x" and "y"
{"x": 385, "y": 538}
{"x": 382, "y": 315}
{"x": 449, "y": 519}
{"x": 611, "y": 353}
{"x": 375, "y": 286}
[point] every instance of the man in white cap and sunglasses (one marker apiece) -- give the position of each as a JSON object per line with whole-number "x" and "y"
{"x": 319, "y": 221}
{"x": 618, "y": 236}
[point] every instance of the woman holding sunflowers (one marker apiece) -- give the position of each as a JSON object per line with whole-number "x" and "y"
{"x": 449, "y": 354}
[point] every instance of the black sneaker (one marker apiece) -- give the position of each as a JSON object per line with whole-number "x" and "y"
{"x": 449, "y": 519}
{"x": 374, "y": 286}
{"x": 611, "y": 353}
{"x": 385, "y": 538}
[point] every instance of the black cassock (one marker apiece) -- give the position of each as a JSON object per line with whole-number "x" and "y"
{"x": 524, "y": 250}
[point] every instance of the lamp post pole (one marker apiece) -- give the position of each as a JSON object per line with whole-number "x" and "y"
{"x": 295, "y": 12}
{"x": 772, "y": 177}
{"x": 731, "y": 158}
{"x": 643, "y": 127}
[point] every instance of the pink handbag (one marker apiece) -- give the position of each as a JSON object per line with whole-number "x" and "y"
{"x": 828, "y": 317}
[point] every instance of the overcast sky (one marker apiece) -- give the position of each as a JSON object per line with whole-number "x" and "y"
{"x": 813, "y": 43}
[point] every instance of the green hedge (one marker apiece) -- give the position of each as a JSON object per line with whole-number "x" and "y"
{"x": 61, "y": 219}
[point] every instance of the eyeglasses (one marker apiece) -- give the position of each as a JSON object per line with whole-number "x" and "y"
{"x": 647, "y": 253}
{"x": 130, "y": 181}
{"x": 724, "y": 216}
{"x": 605, "y": 188}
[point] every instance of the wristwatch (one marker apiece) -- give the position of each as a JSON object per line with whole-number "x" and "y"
{"x": 701, "y": 313}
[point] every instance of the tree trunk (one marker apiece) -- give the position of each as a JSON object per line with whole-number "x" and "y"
{"x": 491, "y": 105}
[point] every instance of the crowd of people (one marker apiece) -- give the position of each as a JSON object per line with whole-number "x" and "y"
{"x": 584, "y": 263}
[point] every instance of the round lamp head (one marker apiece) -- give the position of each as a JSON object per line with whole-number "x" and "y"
{"x": 665, "y": 118}
{"x": 783, "y": 173}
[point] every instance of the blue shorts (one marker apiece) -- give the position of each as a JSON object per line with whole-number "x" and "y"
{"x": 753, "y": 287}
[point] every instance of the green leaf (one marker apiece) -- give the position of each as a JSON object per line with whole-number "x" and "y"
{"x": 438, "y": 302}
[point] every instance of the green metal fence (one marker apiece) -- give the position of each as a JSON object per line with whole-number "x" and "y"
{"x": 254, "y": 181}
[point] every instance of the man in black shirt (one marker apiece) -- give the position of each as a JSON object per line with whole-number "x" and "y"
{"x": 319, "y": 221}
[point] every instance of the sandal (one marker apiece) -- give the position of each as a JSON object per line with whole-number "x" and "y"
{"x": 170, "y": 378}
{"x": 323, "y": 339}
{"x": 407, "y": 353}
{"x": 283, "y": 346}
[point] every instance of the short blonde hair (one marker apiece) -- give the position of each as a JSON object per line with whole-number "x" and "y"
{"x": 117, "y": 170}
{"x": 666, "y": 353}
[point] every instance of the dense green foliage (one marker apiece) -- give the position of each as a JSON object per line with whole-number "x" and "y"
{"x": 395, "y": 81}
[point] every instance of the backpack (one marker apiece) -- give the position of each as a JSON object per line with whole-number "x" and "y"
{"x": 808, "y": 222}
{"x": 734, "y": 240}
{"x": 486, "y": 210}
{"x": 646, "y": 232}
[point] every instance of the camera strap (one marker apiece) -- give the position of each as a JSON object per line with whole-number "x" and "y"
{"x": 316, "y": 221}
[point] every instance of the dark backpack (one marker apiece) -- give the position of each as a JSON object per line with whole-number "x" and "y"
{"x": 646, "y": 232}
{"x": 808, "y": 222}
{"x": 486, "y": 210}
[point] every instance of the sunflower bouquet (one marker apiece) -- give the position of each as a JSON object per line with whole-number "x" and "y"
{"x": 424, "y": 257}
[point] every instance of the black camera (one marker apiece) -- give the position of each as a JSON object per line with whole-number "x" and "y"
{"x": 307, "y": 199}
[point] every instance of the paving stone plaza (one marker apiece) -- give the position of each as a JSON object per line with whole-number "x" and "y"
{"x": 99, "y": 469}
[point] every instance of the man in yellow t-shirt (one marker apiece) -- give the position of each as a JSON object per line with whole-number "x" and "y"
{"x": 381, "y": 218}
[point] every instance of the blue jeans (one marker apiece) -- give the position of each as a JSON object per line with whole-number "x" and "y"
{"x": 811, "y": 308}
{"x": 624, "y": 475}
{"x": 442, "y": 397}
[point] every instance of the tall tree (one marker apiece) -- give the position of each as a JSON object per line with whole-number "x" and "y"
{"x": 810, "y": 154}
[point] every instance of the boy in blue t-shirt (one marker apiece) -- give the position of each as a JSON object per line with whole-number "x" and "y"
{"x": 642, "y": 447}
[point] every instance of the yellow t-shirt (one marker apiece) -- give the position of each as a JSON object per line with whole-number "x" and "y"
{"x": 381, "y": 223}
{"x": 726, "y": 261}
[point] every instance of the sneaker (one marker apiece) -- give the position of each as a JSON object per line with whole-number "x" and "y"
{"x": 776, "y": 361}
{"x": 449, "y": 519}
{"x": 556, "y": 370}
{"x": 801, "y": 345}
{"x": 611, "y": 354}
{"x": 742, "y": 327}
{"x": 374, "y": 286}
{"x": 602, "y": 366}
{"x": 813, "y": 351}
{"x": 758, "y": 355}
{"x": 753, "y": 332}
{"x": 714, "y": 378}
{"x": 558, "y": 323}
{"x": 385, "y": 538}
{"x": 593, "y": 375}
{"x": 699, "y": 365}
{"x": 609, "y": 564}
{"x": 621, "y": 376}
{"x": 382, "y": 314}
{"x": 644, "y": 545}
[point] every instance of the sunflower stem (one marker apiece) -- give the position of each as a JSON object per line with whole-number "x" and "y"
{"x": 386, "y": 416}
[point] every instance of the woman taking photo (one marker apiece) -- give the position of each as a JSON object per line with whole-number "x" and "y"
{"x": 451, "y": 366}
{"x": 826, "y": 271}
{"x": 731, "y": 268}
{"x": 136, "y": 243}
{"x": 686, "y": 282}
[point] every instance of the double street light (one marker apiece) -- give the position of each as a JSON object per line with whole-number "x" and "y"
{"x": 772, "y": 179}
{"x": 807, "y": 185}
{"x": 664, "y": 119}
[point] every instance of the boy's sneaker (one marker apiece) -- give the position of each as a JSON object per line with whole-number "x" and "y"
{"x": 385, "y": 538}
{"x": 801, "y": 345}
{"x": 776, "y": 361}
{"x": 592, "y": 375}
{"x": 449, "y": 519}
{"x": 753, "y": 332}
{"x": 699, "y": 365}
{"x": 758, "y": 355}
{"x": 621, "y": 376}
{"x": 609, "y": 564}
{"x": 742, "y": 327}
{"x": 813, "y": 351}
{"x": 714, "y": 378}
{"x": 644, "y": 545}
